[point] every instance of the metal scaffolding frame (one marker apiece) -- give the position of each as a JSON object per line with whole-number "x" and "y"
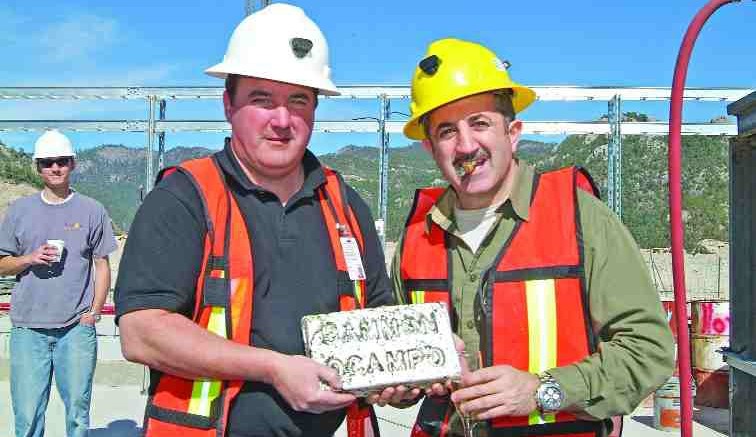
{"x": 360, "y": 126}
{"x": 383, "y": 165}
{"x": 544, "y": 93}
{"x": 157, "y": 127}
{"x": 151, "y": 132}
{"x": 614, "y": 157}
{"x": 161, "y": 138}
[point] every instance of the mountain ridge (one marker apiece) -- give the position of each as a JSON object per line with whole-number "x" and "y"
{"x": 113, "y": 174}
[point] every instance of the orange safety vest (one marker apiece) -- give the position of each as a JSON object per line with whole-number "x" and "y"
{"x": 223, "y": 305}
{"x": 535, "y": 308}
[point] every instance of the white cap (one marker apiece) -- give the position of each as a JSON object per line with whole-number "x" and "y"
{"x": 53, "y": 144}
{"x": 279, "y": 43}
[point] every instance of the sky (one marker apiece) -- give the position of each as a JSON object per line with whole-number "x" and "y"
{"x": 170, "y": 43}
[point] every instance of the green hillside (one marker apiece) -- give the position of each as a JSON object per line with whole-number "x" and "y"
{"x": 113, "y": 174}
{"x": 644, "y": 182}
{"x": 409, "y": 167}
{"x": 645, "y": 187}
{"x": 17, "y": 167}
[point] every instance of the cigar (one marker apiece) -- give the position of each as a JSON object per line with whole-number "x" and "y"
{"x": 464, "y": 168}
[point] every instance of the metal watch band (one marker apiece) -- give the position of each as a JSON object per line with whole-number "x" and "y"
{"x": 549, "y": 395}
{"x": 546, "y": 377}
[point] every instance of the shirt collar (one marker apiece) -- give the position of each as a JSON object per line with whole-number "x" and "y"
{"x": 313, "y": 172}
{"x": 442, "y": 212}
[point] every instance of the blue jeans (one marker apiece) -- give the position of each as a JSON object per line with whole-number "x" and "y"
{"x": 35, "y": 355}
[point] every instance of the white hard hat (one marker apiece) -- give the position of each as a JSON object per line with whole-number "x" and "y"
{"x": 279, "y": 43}
{"x": 52, "y": 144}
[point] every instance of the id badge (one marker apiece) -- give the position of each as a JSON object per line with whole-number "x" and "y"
{"x": 353, "y": 259}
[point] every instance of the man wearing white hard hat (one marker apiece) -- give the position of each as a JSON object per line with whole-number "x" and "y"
{"x": 228, "y": 252}
{"x": 53, "y": 242}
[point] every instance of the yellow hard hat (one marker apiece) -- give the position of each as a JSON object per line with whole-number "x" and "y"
{"x": 453, "y": 69}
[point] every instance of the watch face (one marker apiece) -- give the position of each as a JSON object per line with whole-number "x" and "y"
{"x": 550, "y": 397}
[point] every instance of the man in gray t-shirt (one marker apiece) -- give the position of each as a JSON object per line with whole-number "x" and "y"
{"x": 61, "y": 289}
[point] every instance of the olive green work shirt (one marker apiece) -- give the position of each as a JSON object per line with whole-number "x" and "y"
{"x": 635, "y": 352}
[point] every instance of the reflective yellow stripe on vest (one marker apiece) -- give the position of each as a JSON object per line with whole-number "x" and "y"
{"x": 205, "y": 391}
{"x": 542, "y": 333}
{"x": 418, "y": 296}
{"x": 358, "y": 294}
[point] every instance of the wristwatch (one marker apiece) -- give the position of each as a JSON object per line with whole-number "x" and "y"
{"x": 95, "y": 316}
{"x": 549, "y": 395}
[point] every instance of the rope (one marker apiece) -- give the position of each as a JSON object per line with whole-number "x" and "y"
{"x": 401, "y": 425}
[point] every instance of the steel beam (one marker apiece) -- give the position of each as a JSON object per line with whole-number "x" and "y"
{"x": 575, "y": 93}
{"x": 161, "y": 138}
{"x": 545, "y": 93}
{"x": 740, "y": 363}
{"x": 614, "y": 157}
{"x": 367, "y": 126}
{"x": 602, "y": 128}
{"x": 385, "y": 114}
{"x": 109, "y": 93}
{"x": 149, "y": 149}
{"x": 73, "y": 125}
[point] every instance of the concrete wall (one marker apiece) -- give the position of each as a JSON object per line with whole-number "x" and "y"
{"x": 707, "y": 275}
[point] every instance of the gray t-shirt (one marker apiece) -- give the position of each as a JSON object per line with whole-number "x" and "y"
{"x": 55, "y": 296}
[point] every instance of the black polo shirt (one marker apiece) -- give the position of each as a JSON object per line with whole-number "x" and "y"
{"x": 294, "y": 274}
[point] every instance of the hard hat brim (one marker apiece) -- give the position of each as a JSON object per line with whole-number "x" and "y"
{"x": 47, "y": 155}
{"x": 522, "y": 97}
{"x": 324, "y": 86}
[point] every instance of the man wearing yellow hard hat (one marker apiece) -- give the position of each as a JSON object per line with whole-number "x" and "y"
{"x": 544, "y": 284}
{"x": 228, "y": 252}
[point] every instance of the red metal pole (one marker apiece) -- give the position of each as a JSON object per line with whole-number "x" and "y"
{"x": 675, "y": 207}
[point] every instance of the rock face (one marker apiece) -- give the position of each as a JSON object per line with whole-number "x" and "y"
{"x": 11, "y": 192}
{"x": 715, "y": 247}
{"x": 707, "y": 275}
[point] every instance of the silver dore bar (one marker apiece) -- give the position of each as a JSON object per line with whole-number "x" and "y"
{"x": 382, "y": 347}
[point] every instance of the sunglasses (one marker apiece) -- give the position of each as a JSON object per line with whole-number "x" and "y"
{"x": 48, "y": 162}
